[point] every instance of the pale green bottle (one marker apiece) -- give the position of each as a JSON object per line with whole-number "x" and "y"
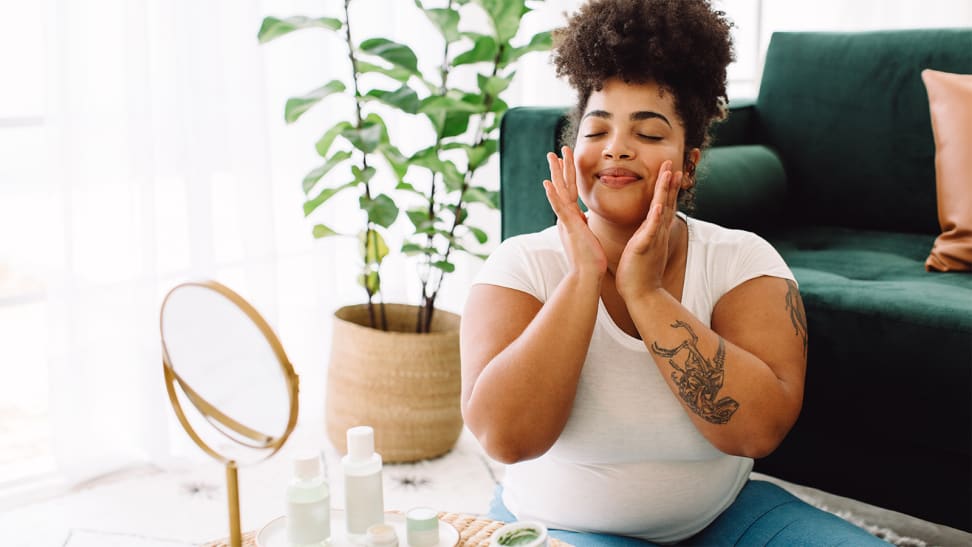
{"x": 308, "y": 504}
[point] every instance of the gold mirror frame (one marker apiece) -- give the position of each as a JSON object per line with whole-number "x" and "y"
{"x": 220, "y": 421}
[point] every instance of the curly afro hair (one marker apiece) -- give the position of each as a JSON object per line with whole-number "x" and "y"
{"x": 682, "y": 45}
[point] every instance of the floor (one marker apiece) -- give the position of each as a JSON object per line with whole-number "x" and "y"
{"x": 149, "y": 507}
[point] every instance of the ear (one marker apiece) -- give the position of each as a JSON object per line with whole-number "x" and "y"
{"x": 688, "y": 180}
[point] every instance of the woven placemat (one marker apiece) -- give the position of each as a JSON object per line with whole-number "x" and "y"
{"x": 473, "y": 532}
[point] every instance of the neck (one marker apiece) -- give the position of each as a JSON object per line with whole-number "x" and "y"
{"x": 614, "y": 238}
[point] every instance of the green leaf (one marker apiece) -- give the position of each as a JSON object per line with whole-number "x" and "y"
{"x": 452, "y": 176}
{"x": 455, "y": 124}
{"x": 296, "y": 106}
{"x": 438, "y": 103}
{"x": 395, "y": 158}
{"x": 428, "y": 159}
{"x": 325, "y": 195}
{"x": 479, "y": 155}
{"x": 363, "y": 175}
{"x": 414, "y": 249}
{"x": 274, "y": 27}
{"x": 395, "y": 72}
{"x": 375, "y": 250}
{"x": 479, "y": 234}
{"x": 484, "y": 49}
{"x": 463, "y": 215}
{"x": 397, "y": 54}
{"x": 324, "y": 143}
{"x": 381, "y": 209}
{"x": 505, "y": 16}
{"x": 541, "y": 41}
{"x": 478, "y": 194}
{"x": 447, "y": 267}
{"x": 420, "y": 219}
{"x": 370, "y": 281}
{"x": 446, "y": 20}
{"x": 408, "y": 188}
{"x": 403, "y": 98}
{"x": 367, "y": 138}
{"x": 499, "y": 106}
{"x": 493, "y": 85}
{"x": 321, "y": 231}
{"x": 310, "y": 180}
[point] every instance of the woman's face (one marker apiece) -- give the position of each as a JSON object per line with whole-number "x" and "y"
{"x": 626, "y": 132}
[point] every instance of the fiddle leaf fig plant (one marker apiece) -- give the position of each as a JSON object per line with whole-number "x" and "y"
{"x": 434, "y": 183}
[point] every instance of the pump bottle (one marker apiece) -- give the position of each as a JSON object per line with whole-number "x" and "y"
{"x": 308, "y": 504}
{"x": 363, "y": 500}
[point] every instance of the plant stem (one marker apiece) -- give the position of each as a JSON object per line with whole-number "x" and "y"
{"x": 424, "y": 319}
{"x": 467, "y": 180}
{"x": 370, "y": 236}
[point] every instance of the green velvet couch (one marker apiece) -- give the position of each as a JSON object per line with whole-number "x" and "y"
{"x": 833, "y": 163}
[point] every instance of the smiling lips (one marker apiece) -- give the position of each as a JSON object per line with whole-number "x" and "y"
{"x": 616, "y": 177}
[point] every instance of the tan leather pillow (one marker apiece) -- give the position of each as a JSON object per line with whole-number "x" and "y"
{"x": 950, "y": 100}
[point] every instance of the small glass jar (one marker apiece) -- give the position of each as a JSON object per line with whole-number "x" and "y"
{"x": 381, "y": 535}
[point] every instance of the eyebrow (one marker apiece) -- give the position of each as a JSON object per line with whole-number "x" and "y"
{"x": 635, "y": 116}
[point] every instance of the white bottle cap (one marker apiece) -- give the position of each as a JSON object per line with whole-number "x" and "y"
{"x": 307, "y": 465}
{"x": 361, "y": 443}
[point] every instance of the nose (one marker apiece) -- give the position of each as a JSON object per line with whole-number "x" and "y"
{"x": 617, "y": 148}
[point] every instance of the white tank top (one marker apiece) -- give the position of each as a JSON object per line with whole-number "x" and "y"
{"x": 629, "y": 460}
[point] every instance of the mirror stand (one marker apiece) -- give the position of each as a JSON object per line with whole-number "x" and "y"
{"x": 233, "y": 501}
{"x": 210, "y": 326}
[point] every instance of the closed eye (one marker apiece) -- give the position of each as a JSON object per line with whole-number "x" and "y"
{"x": 591, "y": 135}
{"x": 650, "y": 137}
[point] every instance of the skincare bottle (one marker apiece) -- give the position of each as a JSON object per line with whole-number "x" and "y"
{"x": 363, "y": 499}
{"x": 308, "y": 504}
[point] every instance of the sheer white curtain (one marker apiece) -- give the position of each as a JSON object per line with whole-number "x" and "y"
{"x": 160, "y": 171}
{"x": 169, "y": 160}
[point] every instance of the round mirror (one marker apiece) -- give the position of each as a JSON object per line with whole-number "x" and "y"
{"x": 229, "y": 381}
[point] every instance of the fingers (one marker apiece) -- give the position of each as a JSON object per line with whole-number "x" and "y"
{"x": 570, "y": 175}
{"x": 561, "y": 188}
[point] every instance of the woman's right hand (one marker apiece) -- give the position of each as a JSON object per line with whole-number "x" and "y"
{"x": 584, "y": 251}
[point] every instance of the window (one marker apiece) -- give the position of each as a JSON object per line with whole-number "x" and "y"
{"x": 25, "y": 212}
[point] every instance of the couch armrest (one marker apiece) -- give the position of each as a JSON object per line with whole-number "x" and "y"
{"x": 739, "y": 127}
{"x": 740, "y": 187}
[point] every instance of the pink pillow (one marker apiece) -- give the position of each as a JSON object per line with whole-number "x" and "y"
{"x": 950, "y": 100}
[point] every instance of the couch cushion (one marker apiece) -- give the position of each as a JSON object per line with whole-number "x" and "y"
{"x": 881, "y": 274}
{"x": 871, "y": 304}
{"x": 849, "y": 115}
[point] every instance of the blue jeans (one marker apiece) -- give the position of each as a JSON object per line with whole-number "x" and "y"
{"x": 763, "y": 514}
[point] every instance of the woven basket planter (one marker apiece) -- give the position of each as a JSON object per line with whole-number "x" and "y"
{"x": 403, "y": 384}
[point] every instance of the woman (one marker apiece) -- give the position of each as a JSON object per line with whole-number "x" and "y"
{"x": 630, "y": 363}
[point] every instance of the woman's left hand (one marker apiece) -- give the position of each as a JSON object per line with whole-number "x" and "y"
{"x": 642, "y": 264}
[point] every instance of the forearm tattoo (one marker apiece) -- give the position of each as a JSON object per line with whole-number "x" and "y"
{"x": 699, "y": 379}
{"x": 798, "y": 315}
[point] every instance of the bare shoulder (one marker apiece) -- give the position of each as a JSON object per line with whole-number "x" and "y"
{"x": 493, "y": 318}
{"x": 765, "y": 316}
